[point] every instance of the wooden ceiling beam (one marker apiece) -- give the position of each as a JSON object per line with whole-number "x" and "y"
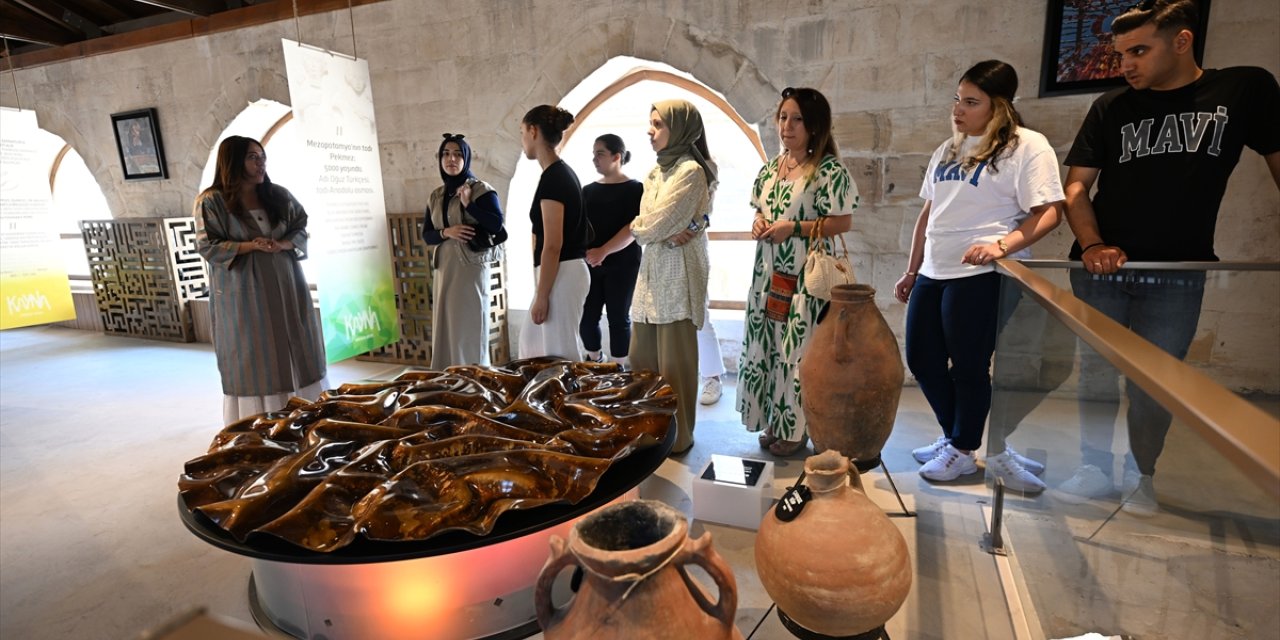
{"x": 62, "y": 17}
{"x": 16, "y": 23}
{"x": 197, "y": 8}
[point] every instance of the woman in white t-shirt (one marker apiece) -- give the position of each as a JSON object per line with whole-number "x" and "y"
{"x": 990, "y": 191}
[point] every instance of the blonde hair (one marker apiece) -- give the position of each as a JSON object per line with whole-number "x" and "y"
{"x": 1000, "y": 82}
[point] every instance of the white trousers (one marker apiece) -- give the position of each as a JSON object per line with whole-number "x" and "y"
{"x": 558, "y": 334}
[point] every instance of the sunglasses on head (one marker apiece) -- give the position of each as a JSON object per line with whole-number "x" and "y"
{"x": 454, "y": 136}
{"x": 1145, "y": 5}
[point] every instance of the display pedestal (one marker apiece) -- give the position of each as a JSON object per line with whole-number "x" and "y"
{"x": 453, "y": 585}
{"x": 733, "y": 491}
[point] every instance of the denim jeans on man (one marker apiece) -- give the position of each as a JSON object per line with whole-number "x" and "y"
{"x": 1164, "y": 308}
{"x": 951, "y": 334}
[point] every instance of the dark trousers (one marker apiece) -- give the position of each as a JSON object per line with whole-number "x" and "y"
{"x": 951, "y": 334}
{"x": 1164, "y": 308}
{"x": 611, "y": 290}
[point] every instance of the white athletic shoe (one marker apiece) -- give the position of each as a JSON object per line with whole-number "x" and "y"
{"x": 1130, "y": 483}
{"x": 1015, "y": 476}
{"x": 711, "y": 391}
{"x": 1027, "y": 463}
{"x": 1142, "y": 501}
{"x": 949, "y": 464}
{"x": 1088, "y": 483}
{"x": 930, "y": 451}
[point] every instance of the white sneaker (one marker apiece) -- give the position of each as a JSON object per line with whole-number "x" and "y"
{"x": 1142, "y": 500}
{"x": 949, "y": 464}
{"x": 1130, "y": 483}
{"x": 1015, "y": 476}
{"x": 1089, "y": 482}
{"x": 930, "y": 451}
{"x": 1027, "y": 463}
{"x": 711, "y": 391}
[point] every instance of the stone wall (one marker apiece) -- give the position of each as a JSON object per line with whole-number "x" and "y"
{"x": 889, "y": 68}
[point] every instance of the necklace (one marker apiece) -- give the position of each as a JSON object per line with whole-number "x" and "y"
{"x": 789, "y": 164}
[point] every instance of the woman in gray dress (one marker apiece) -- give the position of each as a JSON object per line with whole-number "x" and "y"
{"x": 252, "y": 233}
{"x": 459, "y": 211}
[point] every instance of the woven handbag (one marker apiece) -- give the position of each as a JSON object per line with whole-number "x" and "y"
{"x": 823, "y": 270}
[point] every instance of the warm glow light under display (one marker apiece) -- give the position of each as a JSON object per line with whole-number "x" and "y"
{"x": 469, "y": 594}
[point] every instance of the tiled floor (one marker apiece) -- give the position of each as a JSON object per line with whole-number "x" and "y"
{"x": 94, "y": 430}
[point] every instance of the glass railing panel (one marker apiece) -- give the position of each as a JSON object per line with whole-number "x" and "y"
{"x": 1203, "y": 560}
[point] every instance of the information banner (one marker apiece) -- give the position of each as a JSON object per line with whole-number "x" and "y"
{"x": 347, "y": 217}
{"x": 33, "y": 280}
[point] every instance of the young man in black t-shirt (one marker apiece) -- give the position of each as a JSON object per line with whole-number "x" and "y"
{"x": 1161, "y": 151}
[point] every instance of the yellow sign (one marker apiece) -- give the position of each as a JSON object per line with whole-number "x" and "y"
{"x": 33, "y": 282}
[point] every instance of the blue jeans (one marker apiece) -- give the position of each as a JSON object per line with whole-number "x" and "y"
{"x": 951, "y": 334}
{"x": 1164, "y": 308}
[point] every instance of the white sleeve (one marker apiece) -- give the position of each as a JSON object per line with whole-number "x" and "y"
{"x": 1039, "y": 181}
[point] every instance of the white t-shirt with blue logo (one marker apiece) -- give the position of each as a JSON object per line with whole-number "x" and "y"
{"x": 980, "y": 206}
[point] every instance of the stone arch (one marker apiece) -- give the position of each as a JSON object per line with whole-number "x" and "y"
{"x": 715, "y": 62}
{"x": 250, "y": 86}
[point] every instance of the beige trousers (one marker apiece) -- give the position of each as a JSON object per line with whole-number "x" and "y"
{"x": 672, "y": 351}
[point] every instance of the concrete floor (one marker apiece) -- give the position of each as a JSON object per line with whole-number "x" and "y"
{"x": 94, "y": 431}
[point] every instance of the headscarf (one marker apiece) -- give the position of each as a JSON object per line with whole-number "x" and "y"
{"x": 685, "y": 125}
{"x": 451, "y": 183}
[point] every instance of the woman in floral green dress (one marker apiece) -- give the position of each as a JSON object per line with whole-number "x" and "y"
{"x": 803, "y": 184}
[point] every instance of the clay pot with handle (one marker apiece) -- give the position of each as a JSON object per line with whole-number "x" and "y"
{"x": 839, "y": 567}
{"x": 633, "y": 556}
{"x": 851, "y": 377}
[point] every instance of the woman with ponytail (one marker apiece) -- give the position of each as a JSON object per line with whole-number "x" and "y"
{"x": 990, "y": 192}
{"x": 560, "y": 235}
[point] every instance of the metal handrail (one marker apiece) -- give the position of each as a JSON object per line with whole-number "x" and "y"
{"x": 1244, "y": 434}
{"x": 1168, "y": 266}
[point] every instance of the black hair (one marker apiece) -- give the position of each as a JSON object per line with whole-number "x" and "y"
{"x": 1167, "y": 15}
{"x": 614, "y": 144}
{"x": 550, "y": 120}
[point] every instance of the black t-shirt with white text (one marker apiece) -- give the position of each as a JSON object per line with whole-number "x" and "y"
{"x": 1165, "y": 158}
{"x": 560, "y": 183}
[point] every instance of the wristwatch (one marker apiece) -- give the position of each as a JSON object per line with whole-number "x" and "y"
{"x": 1004, "y": 246}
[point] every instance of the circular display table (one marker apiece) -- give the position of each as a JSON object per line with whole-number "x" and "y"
{"x": 453, "y": 585}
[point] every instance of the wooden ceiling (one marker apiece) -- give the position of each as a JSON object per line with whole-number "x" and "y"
{"x": 39, "y": 32}
{"x": 32, "y": 25}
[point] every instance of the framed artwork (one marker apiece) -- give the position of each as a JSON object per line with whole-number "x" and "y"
{"x": 138, "y": 141}
{"x": 1078, "y": 57}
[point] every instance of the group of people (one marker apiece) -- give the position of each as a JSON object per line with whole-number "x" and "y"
{"x": 1160, "y": 151}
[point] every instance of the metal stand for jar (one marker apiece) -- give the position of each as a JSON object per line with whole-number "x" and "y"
{"x": 864, "y": 466}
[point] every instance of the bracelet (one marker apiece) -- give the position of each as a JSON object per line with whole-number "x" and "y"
{"x": 1096, "y": 244}
{"x": 911, "y": 273}
{"x": 798, "y": 230}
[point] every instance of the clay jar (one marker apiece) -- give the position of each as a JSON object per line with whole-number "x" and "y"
{"x": 851, "y": 377}
{"x": 633, "y": 556}
{"x": 840, "y": 567}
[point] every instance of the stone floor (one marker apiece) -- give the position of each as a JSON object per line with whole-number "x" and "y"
{"x": 94, "y": 430}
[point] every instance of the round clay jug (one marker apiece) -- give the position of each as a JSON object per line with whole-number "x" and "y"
{"x": 840, "y": 567}
{"x": 635, "y": 586}
{"x": 851, "y": 377}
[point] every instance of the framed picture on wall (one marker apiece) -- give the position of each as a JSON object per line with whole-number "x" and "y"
{"x": 138, "y": 141}
{"x": 1078, "y": 57}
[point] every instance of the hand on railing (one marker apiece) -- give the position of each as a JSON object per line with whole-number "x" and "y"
{"x": 1103, "y": 259}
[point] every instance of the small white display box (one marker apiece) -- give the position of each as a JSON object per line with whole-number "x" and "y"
{"x": 733, "y": 491}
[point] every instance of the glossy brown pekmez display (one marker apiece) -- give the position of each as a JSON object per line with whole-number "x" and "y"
{"x": 425, "y": 453}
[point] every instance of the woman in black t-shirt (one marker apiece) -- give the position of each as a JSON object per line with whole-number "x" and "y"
{"x": 613, "y": 255}
{"x": 559, "y": 241}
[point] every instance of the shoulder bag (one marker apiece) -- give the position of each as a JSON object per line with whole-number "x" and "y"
{"x": 823, "y": 270}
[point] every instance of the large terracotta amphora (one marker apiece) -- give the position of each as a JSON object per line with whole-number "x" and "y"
{"x": 851, "y": 377}
{"x": 633, "y": 556}
{"x": 840, "y": 567}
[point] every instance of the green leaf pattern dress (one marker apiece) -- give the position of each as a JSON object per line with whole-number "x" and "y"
{"x": 768, "y": 387}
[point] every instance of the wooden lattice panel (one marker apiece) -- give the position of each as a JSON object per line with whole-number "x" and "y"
{"x": 412, "y": 275}
{"x": 144, "y": 271}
